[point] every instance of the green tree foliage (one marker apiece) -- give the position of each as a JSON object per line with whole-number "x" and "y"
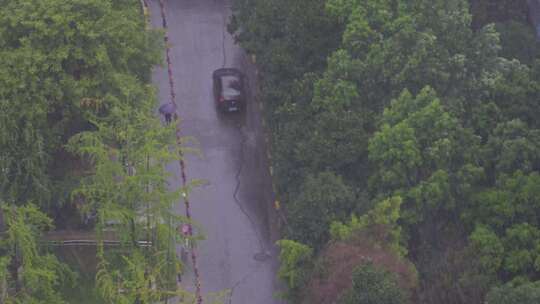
{"x": 489, "y": 248}
{"x": 509, "y": 239}
{"x": 28, "y": 273}
{"x": 417, "y": 43}
{"x": 289, "y": 38}
{"x": 514, "y": 91}
{"x": 336, "y": 132}
{"x": 513, "y": 146}
{"x": 518, "y": 40}
{"x": 323, "y": 198}
{"x": 525, "y": 293}
{"x": 77, "y": 123}
{"x": 419, "y": 152}
{"x": 419, "y": 100}
{"x": 385, "y": 214}
{"x": 372, "y": 285}
{"x": 60, "y": 61}
{"x": 129, "y": 151}
{"x": 295, "y": 262}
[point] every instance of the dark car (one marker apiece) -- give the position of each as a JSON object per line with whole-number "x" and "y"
{"x": 229, "y": 89}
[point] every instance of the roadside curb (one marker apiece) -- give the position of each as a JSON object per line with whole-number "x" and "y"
{"x": 278, "y": 222}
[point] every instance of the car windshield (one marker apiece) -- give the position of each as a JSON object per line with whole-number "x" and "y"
{"x": 231, "y": 86}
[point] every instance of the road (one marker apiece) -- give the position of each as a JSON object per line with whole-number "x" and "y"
{"x": 233, "y": 206}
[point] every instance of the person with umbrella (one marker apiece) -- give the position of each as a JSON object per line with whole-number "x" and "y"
{"x": 168, "y": 110}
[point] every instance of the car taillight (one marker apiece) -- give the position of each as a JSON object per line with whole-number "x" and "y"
{"x": 221, "y": 99}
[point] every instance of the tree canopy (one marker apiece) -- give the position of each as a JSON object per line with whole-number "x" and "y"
{"x": 78, "y": 131}
{"x": 432, "y": 103}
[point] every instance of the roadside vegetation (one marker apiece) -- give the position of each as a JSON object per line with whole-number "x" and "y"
{"x": 81, "y": 149}
{"x": 406, "y": 147}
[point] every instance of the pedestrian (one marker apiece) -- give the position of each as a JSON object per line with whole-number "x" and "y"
{"x": 184, "y": 230}
{"x": 168, "y": 110}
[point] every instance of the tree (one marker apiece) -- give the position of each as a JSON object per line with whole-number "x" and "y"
{"x": 514, "y": 89}
{"x": 418, "y": 43}
{"x": 524, "y": 293}
{"x": 418, "y": 100}
{"x": 507, "y": 238}
{"x": 512, "y": 146}
{"x": 129, "y": 151}
{"x": 421, "y": 153}
{"x": 321, "y": 200}
{"x": 59, "y": 62}
{"x": 333, "y": 276}
{"x": 489, "y": 248}
{"x": 518, "y": 40}
{"x": 75, "y": 100}
{"x": 372, "y": 285}
{"x": 295, "y": 259}
{"x": 384, "y": 215}
{"x": 29, "y": 273}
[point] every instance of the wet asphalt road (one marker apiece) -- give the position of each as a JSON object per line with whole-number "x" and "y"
{"x": 233, "y": 206}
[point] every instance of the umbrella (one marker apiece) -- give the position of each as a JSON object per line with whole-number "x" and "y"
{"x": 168, "y": 108}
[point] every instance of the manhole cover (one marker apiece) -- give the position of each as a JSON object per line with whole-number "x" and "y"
{"x": 261, "y": 256}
